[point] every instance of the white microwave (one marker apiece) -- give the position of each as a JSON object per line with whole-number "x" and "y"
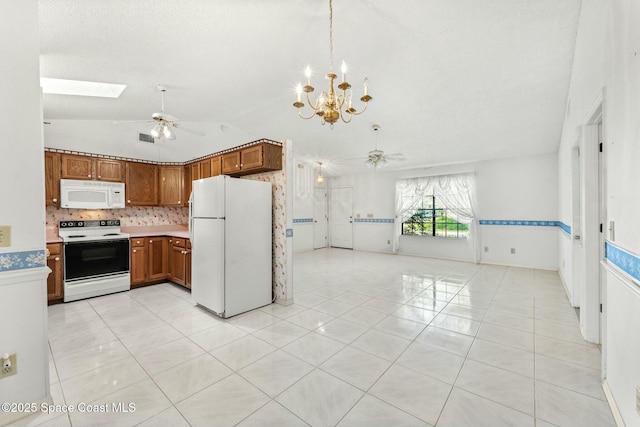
{"x": 91, "y": 194}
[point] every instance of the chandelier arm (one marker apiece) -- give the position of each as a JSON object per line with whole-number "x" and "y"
{"x": 342, "y": 117}
{"x": 314, "y": 105}
{"x": 357, "y": 113}
{"x": 313, "y": 114}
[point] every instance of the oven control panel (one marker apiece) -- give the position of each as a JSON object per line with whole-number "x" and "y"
{"x": 90, "y": 223}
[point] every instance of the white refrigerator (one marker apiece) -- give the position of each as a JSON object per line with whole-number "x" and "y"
{"x": 230, "y": 231}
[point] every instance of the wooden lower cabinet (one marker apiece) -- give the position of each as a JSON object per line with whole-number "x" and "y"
{"x": 55, "y": 290}
{"x": 155, "y": 259}
{"x": 139, "y": 268}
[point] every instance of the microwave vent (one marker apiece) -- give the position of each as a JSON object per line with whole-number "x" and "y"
{"x": 143, "y": 137}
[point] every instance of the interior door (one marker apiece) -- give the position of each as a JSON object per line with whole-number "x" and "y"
{"x": 320, "y": 218}
{"x": 342, "y": 218}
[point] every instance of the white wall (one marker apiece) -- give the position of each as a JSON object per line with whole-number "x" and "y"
{"x": 23, "y": 288}
{"x": 607, "y": 60}
{"x": 303, "y": 185}
{"x": 509, "y": 189}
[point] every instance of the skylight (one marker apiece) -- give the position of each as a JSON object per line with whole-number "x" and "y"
{"x": 80, "y": 88}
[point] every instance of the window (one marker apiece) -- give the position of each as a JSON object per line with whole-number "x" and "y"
{"x": 431, "y": 218}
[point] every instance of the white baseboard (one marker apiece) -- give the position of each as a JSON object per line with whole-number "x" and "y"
{"x": 283, "y": 301}
{"x": 612, "y": 404}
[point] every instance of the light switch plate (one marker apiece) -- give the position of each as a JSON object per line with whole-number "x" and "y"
{"x": 5, "y": 236}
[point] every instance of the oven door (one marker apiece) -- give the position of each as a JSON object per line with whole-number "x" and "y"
{"x": 84, "y": 260}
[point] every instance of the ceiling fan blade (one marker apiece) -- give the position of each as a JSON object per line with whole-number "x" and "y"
{"x": 194, "y": 131}
{"x": 132, "y": 121}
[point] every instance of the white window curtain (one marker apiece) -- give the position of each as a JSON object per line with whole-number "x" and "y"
{"x": 455, "y": 192}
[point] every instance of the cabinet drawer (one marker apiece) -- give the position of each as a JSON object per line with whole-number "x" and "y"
{"x": 137, "y": 242}
{"x": 54, "y": 248}
{"x": 176, "y": 241}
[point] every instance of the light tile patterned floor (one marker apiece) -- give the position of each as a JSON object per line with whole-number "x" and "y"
{"x": 372, "y": 340}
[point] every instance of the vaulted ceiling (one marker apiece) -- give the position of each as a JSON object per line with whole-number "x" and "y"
{"x": 452, "y": 81}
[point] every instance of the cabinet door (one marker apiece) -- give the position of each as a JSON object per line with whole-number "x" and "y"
{"x": 157, "y": 258}
{"x": 205, "y": 168}
{"x": 109, "y": 170}
{"x": 187, "y": 269}
{"x": 139, "y": 263}
{"x": 216, "y": 165}
{"x": 195, "y": 171}
{"x": 176, "y": 265}
{"x": 141, "y": 184}
{"x": 251, "y": 157}
{"x": 54, "y": 280}
{"x": 171, "y": 186}
{"x": 52, "y": 178}
{"x": 76, "y": 167}
{"x": 231, "y": 162}
{"x": 187, "y": 185}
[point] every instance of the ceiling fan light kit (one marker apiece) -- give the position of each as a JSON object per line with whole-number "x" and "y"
{"x": 329, "y": 105}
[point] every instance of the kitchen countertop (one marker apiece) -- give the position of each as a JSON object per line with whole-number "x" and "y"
{"x": 157, "y": 230}
{"x": 179, "y": 230}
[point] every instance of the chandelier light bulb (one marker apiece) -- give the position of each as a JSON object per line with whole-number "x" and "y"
{"x": 344, "y": 71}
{"x": 299, "y": 91}
{"x": 307, "y": 73}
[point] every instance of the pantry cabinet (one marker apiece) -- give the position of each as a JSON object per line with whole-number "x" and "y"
{"x": 52, "y": 178}
{"x": 55, "y": 290}
{"x": 141, "y": 184}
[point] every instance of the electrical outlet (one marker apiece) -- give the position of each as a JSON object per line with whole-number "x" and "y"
{"x": 513, "y": 250}
{"x": 5, "y": 235}
{"x": 9, "y": 365}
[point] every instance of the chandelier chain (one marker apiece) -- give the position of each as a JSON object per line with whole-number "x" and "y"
{"x": 331, "y": 35}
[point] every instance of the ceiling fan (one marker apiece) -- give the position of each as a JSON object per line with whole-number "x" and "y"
{"x": 165, "y": 124}
{"x": 377, "y": 158}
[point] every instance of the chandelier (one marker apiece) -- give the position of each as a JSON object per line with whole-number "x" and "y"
{"x": 329, "y": 105}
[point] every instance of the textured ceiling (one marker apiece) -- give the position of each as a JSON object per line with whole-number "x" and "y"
{"x": 452, "y": 81}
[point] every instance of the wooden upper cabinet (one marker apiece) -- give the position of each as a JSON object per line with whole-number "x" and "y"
{"x": 230, "y": 162}
{"x": 109, "y": 170}
{"x": 77, "y": 167}
{"x": 187, "y": 184}
{"x": 84, "y": 167}
{"x": 216, "y": 165}
{"x": 195, "y": 171}
{"x": 141, "y": 184}
{"x": 52, "y": 178}
{"x": 258, "y": 158}
{"x": 171, "y": 186}
{"x": 205, "y": 168}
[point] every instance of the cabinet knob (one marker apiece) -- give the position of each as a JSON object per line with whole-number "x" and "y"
{"x": 57, "y": 258}
{"x": 241, "y": 165}
{"x": 236, "y": 165}
{"x": 170, "y": 240}
{"x": 88, "y": 176}
{"x": 135, "y": 250}
{"x": 54, "y": 200}
{"x": 150, "y": 241}
{"x": 179, "y": 201}
{"x": 128, "y": 201}
{"x": 99, "y": 176}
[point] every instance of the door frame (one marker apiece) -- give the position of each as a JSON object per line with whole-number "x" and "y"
{"x": 593, "y": 216}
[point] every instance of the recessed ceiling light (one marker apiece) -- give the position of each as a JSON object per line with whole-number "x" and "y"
{"x": 80, "y": 88}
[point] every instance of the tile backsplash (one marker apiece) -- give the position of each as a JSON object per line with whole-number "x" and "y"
{"x": 130, "y": 216}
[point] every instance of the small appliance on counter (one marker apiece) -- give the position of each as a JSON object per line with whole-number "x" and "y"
{"x": 96, "y": 258}
{"x": 230, "y": 231}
